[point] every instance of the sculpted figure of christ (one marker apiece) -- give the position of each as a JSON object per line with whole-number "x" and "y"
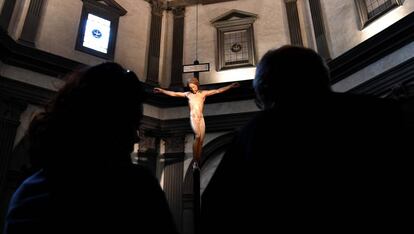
{"x": 196, "y": 98}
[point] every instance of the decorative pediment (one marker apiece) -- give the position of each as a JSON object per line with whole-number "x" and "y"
{"x": 235, "y": 15}
{"x": 235, "y": 39}
{"x": 111, "y": 5}
{"x": 205, "y": 2}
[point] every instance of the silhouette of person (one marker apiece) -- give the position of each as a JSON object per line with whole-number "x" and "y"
{"x": 196, "y": 98}
{"x": 82, "y": 144}
{"x": 312, "y": 159}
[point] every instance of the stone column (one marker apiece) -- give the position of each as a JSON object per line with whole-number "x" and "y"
{"x": 293, "y": 21}
{"x": 31, "y": 23}
{"x": 178, "y": 44}
{"x": 154, "y": 43}
{"x": 319, "y": 29}
{"x": 148, "y": 151}
{"x": 10, "y": 111}
{"x": 7, "y": 13}
{"x": 173, "y": 175}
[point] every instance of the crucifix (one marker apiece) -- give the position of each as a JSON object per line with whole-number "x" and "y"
{"x": 196, "y": 68}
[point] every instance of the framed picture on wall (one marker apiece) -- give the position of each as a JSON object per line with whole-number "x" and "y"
{"x": 370, "y": 10}
{"x": 235, "y": 40}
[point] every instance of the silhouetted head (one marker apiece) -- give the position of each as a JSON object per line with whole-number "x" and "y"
{"x": 93, "y": 118}
{"x": 193, "y": 84}
{"x": 290, "y": 73}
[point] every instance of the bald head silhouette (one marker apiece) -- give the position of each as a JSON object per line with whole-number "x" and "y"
{"x": 290, "y": 72}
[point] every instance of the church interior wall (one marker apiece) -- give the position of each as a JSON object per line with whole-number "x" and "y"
{"x": 59, "y": 36}
{"x": 59, "y": 28}
{"x": 270, "y": 30}
{"x": 342, "y": 18}
{"x": 133, "y": 36}
{"x": 60, "y": 22}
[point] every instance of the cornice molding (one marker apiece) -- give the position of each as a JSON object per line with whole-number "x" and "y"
{"x": 108, "y": 5}
{"x": 371, "y": 50}
{"x": 173, "y": 127}
{"x": 234, "y": 13}
{"x": 25, "y": 93}
{"x": 383, "y": 84}
{"x": 15, "y": 54}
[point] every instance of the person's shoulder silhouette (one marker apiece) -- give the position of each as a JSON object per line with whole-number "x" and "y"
{"x": 312, "y": 158}
{"x": 81, "y": 145}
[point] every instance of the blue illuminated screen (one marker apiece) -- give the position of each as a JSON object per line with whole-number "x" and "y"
{"x": 97, "y": 33}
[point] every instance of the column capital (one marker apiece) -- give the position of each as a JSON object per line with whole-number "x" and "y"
{"x": 11, "y": 109}
{"x": 175, "y": 144}
{"x": 157, "y": 7}
{"x": 178, "y": 12}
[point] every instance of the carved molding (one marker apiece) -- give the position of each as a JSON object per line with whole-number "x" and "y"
{"x": 174, "y": 127}
{"x": 175, "y": 144}
{"x": 33, "y": 59}
{"x": 108, "y": 5}
{"x": 147, "y": 143}
{"x": 25, "y": 93}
